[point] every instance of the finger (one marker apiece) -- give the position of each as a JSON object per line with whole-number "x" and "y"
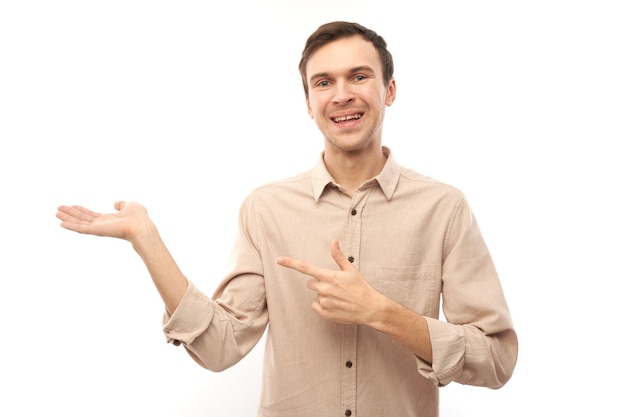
{"x": 119, "y": 205}
{"x": 76, "y": 227}
{"x": 300, "y": 266}
{"x": 83, "y": 214}
{"x": 340, "y": 258}
{"x": 76, "y": 214}
{"x": 314, "y": 285}
{"x": 317, "y": 307}
{"x": 67, "y": 210}
{"x": 70, "y": 222}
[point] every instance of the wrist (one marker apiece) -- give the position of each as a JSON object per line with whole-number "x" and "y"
{"x": 144, "y": 236}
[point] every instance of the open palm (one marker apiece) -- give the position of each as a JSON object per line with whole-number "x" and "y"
{"x": 126, "y": 223}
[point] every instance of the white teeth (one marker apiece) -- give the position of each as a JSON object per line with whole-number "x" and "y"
{"x": 344, "y": 118}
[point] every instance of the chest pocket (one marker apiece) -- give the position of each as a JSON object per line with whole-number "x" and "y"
{"x": 417, "y": 288}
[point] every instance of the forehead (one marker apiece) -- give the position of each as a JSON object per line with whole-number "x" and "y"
{"x": 343, "y": 54}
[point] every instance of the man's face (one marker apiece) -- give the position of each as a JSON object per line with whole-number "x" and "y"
{"x": 347, "y": 94}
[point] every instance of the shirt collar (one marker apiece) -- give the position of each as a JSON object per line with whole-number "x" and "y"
{"x": 387, "y": 179}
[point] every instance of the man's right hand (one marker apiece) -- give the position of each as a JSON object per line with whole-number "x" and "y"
{"x": 131, "y": 222}
{"x": 127, "y": 223}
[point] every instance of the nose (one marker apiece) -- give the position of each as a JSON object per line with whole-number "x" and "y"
{"x": 343, "y": 93}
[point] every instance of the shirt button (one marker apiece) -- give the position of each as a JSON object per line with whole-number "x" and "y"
{"x": 348, "y": 413}
{"x": 353, "y": 212}
{"x": 349, "y": 364}
{"x": 351, "y": 259}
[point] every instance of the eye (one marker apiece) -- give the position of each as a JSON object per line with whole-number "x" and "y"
{"x": 323, "y": 83}
{"x": 360, "y": 77}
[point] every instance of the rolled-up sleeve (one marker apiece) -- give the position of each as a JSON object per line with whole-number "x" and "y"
{"x": 192, "y": 317}
{"x": 477, "y": 344}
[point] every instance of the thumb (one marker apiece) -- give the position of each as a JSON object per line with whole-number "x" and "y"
{"x": 340, "y": 258}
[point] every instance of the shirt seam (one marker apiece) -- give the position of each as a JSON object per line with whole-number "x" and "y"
{"x": 450, "y": 226}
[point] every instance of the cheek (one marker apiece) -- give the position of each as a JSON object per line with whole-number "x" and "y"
{"x": 313, "y": 109}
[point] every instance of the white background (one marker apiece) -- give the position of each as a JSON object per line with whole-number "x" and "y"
{"x": 186, "y": 106}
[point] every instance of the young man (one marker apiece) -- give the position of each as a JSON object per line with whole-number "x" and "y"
{"x": 346, "y": 263}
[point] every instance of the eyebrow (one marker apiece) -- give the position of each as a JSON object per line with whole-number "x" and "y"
{"x": 360, "y": 68}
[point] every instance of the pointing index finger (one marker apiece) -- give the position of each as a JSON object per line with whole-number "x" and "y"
{"x": 300, "y": 266}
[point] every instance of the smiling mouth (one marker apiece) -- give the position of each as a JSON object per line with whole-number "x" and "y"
{"x": 347, "y": 118}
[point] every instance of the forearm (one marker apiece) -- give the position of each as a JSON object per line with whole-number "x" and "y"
{"x": 405, "y": 327}
{"x": 166, "y": 275}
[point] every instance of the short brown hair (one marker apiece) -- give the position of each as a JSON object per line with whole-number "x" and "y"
{"x": 333, "y": 31}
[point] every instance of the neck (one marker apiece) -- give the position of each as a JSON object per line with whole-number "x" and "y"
{"x": 351, "y": 169}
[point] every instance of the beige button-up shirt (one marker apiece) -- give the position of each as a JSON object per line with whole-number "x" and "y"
{"x": 415, "y": 240}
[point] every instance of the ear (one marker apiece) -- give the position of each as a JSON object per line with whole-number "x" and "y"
{"x": 308, "y": 107}
{"x": 391, "y": 92}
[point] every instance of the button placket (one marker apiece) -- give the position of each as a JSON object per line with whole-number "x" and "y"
{"x": 352, "y": 248}
{"x": 349, "y": 337}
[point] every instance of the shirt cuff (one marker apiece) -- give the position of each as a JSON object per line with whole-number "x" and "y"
{"x": 448, "y": 347}
{"x": 191, "y": 318}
